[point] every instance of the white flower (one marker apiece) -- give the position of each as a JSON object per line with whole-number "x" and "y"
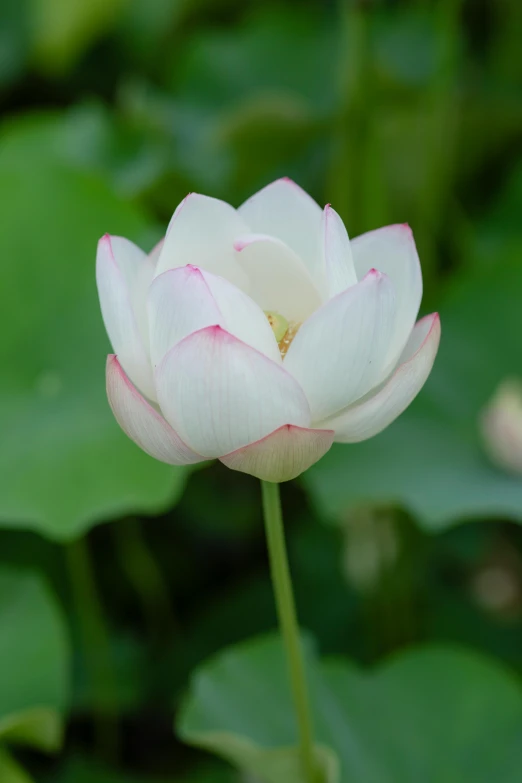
{"x": 501, "y": 426}
{"x": 261, "y": 335}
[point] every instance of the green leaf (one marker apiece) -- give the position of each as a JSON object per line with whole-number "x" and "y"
{"x": 281, "y": 765}
{"x": 31, "y": 675}
{"x": 34, "y": 675}
{"x": 434, "y": 713}
{"x": 431, "y": 461}
{"x": 64, "y": 462}
{"x": 40, "y": 727}
{"x": 10, "y": 771}
{"x": 428, "y": 714}
{"x": 219, "y": 715}
{"x": 63, "y": 30}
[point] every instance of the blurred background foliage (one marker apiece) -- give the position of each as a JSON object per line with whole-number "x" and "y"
{"x": 112, "y": 110}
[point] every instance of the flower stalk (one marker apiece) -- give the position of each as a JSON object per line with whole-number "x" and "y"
{"x": 284, "y": 597}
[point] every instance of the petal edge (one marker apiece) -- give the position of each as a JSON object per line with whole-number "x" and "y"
{"x": 392, "y": 250}
{"x": 279, "y": 280}
{"x": 338, "y": 354}
{"x": 370, "y": 417}
{"x": 119, "y": 306}
{"x": 220, "y": 394}
{"x": 282, "y": 455}
{"x": 141, "y": 422}
{"x": 285, "y": 211}
{"x": 337, "y": 252}
{"x": 201, "y": 232}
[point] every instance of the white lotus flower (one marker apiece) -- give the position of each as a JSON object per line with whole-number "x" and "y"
{"x": 261, "y": 335}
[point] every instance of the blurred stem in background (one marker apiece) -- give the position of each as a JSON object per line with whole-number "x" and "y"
{"x": 284, "y": 596}
{"x": 346, "y": 169}
{"x": 441, "y": 106}
{"x": 146, "y": 577}
{"x": 96, "y": 647}
{"x": 357, "y": 183}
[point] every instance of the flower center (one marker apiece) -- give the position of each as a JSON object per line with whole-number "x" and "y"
{"x": 284, "y": 331}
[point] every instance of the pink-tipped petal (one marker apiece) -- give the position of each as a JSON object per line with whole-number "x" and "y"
{"x": 285, "y": 211}
{"x": 219, "y": 394}
{"x": 370, "y": 417}
{"x": 123, "y": 274}
{"x": 184, "y": 300}
{"x": 179, "y": 303}
{"x": 338, "y": 354}
{"x": 243, "y": 317}
{"x": 202, "y": 232}
{"x": 141, "y": 422}
{"x": 283, "y": 455}
{"x": 338, "y": 261}
{"x": 392, "y": 250}
{"x": 279, "y": 280}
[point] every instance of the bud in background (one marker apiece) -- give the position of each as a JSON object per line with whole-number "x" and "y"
{"x": 501, "y": 426}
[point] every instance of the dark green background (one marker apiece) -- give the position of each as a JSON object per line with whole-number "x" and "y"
{"x": 112, "y": 110}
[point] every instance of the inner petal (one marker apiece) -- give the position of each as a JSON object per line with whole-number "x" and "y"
{"x": 201, "y": 233}
{"x": 285, "y": 211}
{"x": 279, "y": 280}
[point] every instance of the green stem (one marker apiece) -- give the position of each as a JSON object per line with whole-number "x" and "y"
{"x": 282, "y": 584}
{"x": 96, "y": 644}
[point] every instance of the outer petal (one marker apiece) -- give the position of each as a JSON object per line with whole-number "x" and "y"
{"x": 338, "y": 261}
{"x": 141, "y": 422}
{"x": 362, "y": 421}
{"x": 278, "y": 278}
{"x": 184, "y": 300}
{"x": 282, "y": 455}
{"x": 123, "y": 274}
{"x": 285, "y": 211}
{"x": 220, "y": 394}
{"x": 392, "y": 250}
{"x": 338, "y": 354}
{"x": 202, "y": 232}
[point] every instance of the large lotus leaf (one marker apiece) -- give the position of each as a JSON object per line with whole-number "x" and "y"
{"x": 10, "y": 770}
{"x": 430, "y": 714}
{"x": 34, "y": 660}
{"x": 240, "y": 708}
{"x": 88, "y": 137}
{"x": 64, "y": 462}
{"x": 34, "y": 669}
{"x": 431, "y": 460}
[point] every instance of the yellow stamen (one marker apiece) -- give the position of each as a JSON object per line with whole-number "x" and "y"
{"x": 278, "y": 323}
{"x": 284, "y": 331}
{"x": 289, "y": 335}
